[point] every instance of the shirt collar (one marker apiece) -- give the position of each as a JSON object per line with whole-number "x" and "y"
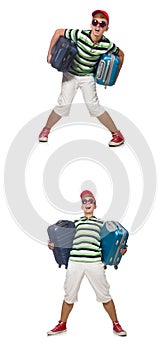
{"x": 90, "y": 218}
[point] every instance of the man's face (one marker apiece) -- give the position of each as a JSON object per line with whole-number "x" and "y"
{"x": 88, "y": 205}
{"x": 99, "y": 26}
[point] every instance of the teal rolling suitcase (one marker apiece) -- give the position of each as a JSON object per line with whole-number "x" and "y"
{"x": 113, "y": 237}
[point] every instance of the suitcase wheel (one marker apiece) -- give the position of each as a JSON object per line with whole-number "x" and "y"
{"x": 115, "y": 267}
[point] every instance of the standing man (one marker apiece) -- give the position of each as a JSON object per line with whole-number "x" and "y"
{"x": 85, "y": 260}
{"x": 91, "y": 44}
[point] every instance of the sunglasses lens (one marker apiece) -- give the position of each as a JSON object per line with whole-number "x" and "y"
{"x": 102, "y": 24}
{"x": 91, "y": 201}
{"x": 94, "y": 22}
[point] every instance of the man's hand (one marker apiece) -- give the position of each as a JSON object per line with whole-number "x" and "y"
{"x": 123, "y": 250}
{"x": 49, "y": 57}
{"x": 50, "y": 245}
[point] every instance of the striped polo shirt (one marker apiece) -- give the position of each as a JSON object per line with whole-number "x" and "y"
{"x": 86, "y": 244}
{"x": 88, "y": 53}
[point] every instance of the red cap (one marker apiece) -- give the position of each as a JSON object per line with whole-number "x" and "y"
{"x": 103, "y": 13}
{"x": 87, "y": 193}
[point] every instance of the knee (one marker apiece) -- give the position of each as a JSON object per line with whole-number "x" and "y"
{"x": 106, "y": 303}
{"x": 69, "y": 304}
{"x": 62, "y": 110}
{"x": 95, "y": 110}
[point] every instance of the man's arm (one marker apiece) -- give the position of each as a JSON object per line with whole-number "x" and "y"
{"x": 54, "y": 39}
{"x": 121, "y": 57}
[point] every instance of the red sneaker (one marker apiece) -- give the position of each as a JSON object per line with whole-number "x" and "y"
{"x": 43, "y": 137}
{"x": 117, "y": 139}
{"x": 117, "y": 329}
{"x": 61, "y": 327}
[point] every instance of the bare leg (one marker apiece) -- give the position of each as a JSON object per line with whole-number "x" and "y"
{"x": 52, "y": 120}
{"x": 104, "y": 118}
{"x": 110, "y": 309}
{"x": 66, "y": 309}
{"x": 107, "y": 121}
{"x": 61, "y": 326}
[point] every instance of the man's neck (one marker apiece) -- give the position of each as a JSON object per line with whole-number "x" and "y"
{"x": 95, "y": 39}
{"x": 88, "y": 215}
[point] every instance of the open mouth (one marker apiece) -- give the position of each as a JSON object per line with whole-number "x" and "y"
{"x": 88, "y": 207}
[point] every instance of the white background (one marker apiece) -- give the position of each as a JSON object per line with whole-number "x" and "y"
{"x": 31, "y": 283}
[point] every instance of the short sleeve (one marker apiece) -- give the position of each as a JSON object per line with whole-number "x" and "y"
{"x": 72, "y": 34}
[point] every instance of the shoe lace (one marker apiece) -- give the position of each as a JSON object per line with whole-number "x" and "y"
{"x": 45, "y": 131}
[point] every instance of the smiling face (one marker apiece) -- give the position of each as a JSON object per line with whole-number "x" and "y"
{"x": 99, "y": 25}
{"x": 88, "y": 206}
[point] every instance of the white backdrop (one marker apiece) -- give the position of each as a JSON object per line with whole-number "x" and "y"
{"x": 31, "y": 283}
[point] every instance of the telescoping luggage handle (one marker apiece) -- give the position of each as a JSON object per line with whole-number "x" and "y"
{"x": 69, "y": 43}
{"x": 105, "y": 71}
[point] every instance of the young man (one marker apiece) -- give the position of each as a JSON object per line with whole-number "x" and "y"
{"x": 91, "y": 44}
{"x": 85, "y": 260}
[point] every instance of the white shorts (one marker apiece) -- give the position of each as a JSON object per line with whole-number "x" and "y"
{"x": 95, "y": 274}
{"x": 70, "y": 85}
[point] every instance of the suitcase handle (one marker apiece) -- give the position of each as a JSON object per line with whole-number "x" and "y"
{"x": 101, "y": 69}
{"x": 110, "y": 69}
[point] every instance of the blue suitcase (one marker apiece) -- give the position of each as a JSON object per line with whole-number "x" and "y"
{"x": 62, "y": 234}
{"x": 62, "y": 54}
{"x": 107, "y": 70}
{"x": 113, "y": 237}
